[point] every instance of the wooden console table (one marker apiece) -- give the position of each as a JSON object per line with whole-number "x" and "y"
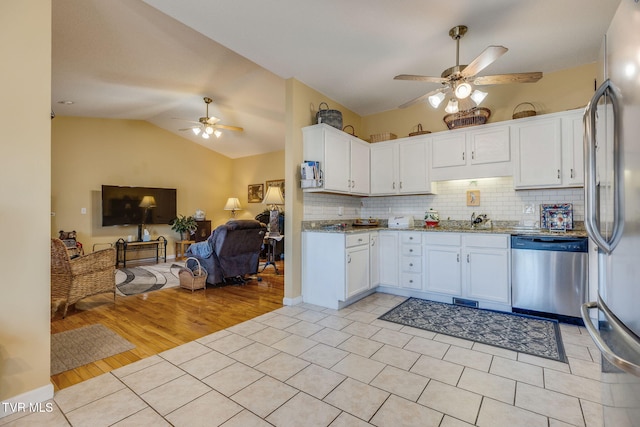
{"x": 159, "y": 246}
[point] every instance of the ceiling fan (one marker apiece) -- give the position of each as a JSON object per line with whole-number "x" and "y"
{"x": 207, "y": 126}
{"x": 460, "y": 79}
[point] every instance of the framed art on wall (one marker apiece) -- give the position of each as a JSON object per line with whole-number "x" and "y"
{"x": 255, "y": 193}
{"x": 276, "y": 183}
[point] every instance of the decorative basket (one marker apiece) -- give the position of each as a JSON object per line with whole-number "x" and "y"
{"x": 330, "y": 117}
{"x": 193, "y": 279}
{"x": 385, "y": 136}
{"x": 473, "y": 117}
{"x": 524, "y": 113}
{"x": 419, "y": 131}
{"x": 353, "y": 131}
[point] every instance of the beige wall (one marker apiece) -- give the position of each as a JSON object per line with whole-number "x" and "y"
{"x": 558, "y": 91}
{"x": 254, "y": 170}
{"x": 88, "y": 152}
{"x": 25, "y": 126}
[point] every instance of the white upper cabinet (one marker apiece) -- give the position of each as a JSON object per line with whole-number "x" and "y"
{"x": 400, "y": 166}
{"x": 344, "y": 159}
{"x": 481, "y": 152}
{"x": 548, "y": 151}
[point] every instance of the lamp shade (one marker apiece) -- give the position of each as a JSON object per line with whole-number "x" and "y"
{"x": 273, "y": 196}
{"x": 148, "y": 202}
{"x": 233, "y": 204}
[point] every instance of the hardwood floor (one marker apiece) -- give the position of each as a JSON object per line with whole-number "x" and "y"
{"x": 161, "y": 320}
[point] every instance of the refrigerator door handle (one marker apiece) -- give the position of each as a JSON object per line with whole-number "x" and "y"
{"x": 591, "y": 204}
{"x": 615, "y": 324}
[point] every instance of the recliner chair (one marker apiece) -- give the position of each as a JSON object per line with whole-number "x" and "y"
{"x": 231, "y": 252}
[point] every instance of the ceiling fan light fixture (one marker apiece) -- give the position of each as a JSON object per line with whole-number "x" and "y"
{"x": 205, "y": 135}
{"x": 196, "y": 131}
{"x": 217, "y": 133}
{"x": 436, "y": 99}
{"x": 463, "y": 90}
{"x": 478, "y": 96}
{"x": 208, "y": 130}
{"x": 452, "y": 106}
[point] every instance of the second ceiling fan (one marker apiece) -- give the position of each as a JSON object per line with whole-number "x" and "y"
{"x": 207, "y": 126}
{"x": 460, "y": 78}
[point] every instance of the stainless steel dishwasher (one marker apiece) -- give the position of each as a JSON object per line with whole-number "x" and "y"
{"x": 549, "y": 275}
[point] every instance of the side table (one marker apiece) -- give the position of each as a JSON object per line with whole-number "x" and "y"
{"x": 270, "y": 241}
{"x": 181, "y": 247}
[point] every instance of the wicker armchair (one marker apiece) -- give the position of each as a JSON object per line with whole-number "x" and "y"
{"x": 78, "y": 278}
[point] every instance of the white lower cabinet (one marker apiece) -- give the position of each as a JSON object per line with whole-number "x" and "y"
{"x": 374, "y": 259}
{"x": 411, "y": 260}
{"x": 335, "y": 268}
{"x": 388, "y": 246}
{"x": 470, "y": 266}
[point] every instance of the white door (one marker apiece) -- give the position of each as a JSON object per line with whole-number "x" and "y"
{"x": 448, "y": 150}
{"x": 490, "y": 146}
{"x": 538, "y": 146}
{"x": 573, "y": 152}
{"x": 384, "y": 164}
{"x": 357, "y": 269}
{"x": 487, "y": 274}
{"x": 337, "y": 159}
{"x": 389, "y": 258}
{"x": 359, "y": 167}
{"x": 414, "y": 166}
{"x": 442, "y": 270}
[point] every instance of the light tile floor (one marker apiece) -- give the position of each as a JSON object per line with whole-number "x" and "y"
{"x": 309, "y": 366}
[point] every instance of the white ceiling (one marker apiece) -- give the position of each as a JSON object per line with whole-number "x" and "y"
{"x": 127, "y": 59}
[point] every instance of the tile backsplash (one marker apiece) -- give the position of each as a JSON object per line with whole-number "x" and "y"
{"x": 498, "y": 200}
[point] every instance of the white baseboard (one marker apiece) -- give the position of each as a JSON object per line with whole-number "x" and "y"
{"x": 27, "y": 402}
{"x": 292, "y": 301}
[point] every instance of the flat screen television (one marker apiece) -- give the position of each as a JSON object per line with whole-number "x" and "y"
{"x": 137, "y": 205}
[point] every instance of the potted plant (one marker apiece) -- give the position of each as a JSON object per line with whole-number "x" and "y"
{"x": 185, "y": 225}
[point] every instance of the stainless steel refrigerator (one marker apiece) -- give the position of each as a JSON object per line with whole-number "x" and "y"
{"x": 612, "y": 216}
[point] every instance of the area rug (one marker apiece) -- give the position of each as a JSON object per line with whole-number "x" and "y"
{"x": 525, "y": 334}
{"x": 147, "y": 278}
{"x": 78, "y": 347}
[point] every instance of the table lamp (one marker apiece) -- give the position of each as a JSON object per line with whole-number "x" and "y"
{"x": 273, "y": 198}
{"x": 148, "y": 202}
{"x": 233, "y": 205}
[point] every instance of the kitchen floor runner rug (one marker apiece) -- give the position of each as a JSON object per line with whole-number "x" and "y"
{"x": 78, "y": 347}
{"x": 522, "y": 333}
{"x": 147, "y": 278}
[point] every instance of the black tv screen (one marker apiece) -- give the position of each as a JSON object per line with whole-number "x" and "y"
{"x": 137, "y": 205}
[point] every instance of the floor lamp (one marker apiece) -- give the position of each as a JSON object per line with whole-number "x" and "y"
{"x": 148, "y": 202}
{"x": 273, "y": 198}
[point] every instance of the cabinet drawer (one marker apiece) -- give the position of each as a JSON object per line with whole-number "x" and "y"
{"x": 411, "y": 237}
{"x": 411, "y": 280}
{"x": 498, "y": 241}
{"x": 357, "y": 239}
{"x": 445, "y": 239}
{"x": 411, "y": 250}
{"x": 412, "y": 264}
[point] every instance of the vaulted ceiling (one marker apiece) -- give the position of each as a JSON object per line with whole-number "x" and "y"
{"x": 155, "y": 60}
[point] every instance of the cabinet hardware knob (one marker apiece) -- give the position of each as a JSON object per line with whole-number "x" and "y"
{"x": 401, "y": 185}
{"x": 410, "y": 264}
{"x": 394, "y": 185}
{"x": 572, "y": 175}
{"x": 410, "y": 250}
{"x": 473, "y": 155}
{"x": 463, "y": 155}
{"x": 411, "y": 281}
{"x": 558, "y": 173}
{"x": 467, "y": 257}
{"x": 458, "y": 258}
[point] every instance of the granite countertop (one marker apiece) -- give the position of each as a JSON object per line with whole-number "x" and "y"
{"x": 497, "y": 227}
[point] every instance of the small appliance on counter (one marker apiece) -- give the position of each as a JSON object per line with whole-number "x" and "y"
{"x": 400, "y": 221}
{"x": 368, "y": 222}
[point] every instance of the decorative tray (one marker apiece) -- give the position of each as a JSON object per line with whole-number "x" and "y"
{"x": 556, "y": 216}
{"x": 366, "y": 223}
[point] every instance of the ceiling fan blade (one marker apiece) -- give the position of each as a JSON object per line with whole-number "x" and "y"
{"x": 211, "y": 120}
{"x": 483, "y": 60}
{"x": 236, "y": 128}
{"x": 192, "y": 127}
{"x": 508, "y": 78}
{"x": 423, "y": 97}
{"x": 420, "y": 78}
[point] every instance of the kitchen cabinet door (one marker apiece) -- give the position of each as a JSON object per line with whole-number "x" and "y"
{"x": 442, "y": 270}
{"x": 487, "y": 275}
{"x": 337, "y": 162}
{"x": 357, "y": 261}
{"x": 389, "y": 259}
{"x": 538, "y": 153}
{"x": 489, "y": 146}
{"x": 414, "y": 166}
{"x": 374, "y": 260}
{"x": 384, "y": 168}
{"x": 448, "y": 150}
{"x": 359, "y": 167}
{"x": 573, "y": 151}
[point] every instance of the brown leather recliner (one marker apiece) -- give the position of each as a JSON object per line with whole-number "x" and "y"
{"x": 231, "y": 252}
